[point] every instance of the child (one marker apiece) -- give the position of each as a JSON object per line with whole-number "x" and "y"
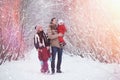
{"x": 42, "y": 46}
{"x": 61, "y": 29}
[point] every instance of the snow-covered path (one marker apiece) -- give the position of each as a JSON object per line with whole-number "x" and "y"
{"x": 73, "y": 67}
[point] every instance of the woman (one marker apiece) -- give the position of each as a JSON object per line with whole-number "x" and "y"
{"x": 42, "y": 46}
{"x": 55, "y": 46}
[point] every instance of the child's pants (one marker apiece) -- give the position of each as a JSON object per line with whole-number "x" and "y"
{"x": 44, "y": 67}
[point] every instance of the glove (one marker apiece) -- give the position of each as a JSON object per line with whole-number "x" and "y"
{"x": 50, "y": 58}
{"x": 41, "y": 62}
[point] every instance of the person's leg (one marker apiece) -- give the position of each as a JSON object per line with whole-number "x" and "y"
{"x": 54, "y": 50}
{"x": 46, "y": 66}
{"x": 60, "y": 51}
{"x": 42, "y": 66}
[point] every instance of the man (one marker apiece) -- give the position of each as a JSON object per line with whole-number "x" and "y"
{"x": 55, "y": 46}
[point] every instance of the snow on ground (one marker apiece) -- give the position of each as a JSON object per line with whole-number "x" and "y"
{"x": 73, "y": 67}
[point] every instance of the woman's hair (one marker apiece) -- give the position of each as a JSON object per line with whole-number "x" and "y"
{"x": 35, "y": 26}
{"x": 52, "y": 20}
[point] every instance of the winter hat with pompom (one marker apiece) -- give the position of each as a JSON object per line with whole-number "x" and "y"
{"x": 60, "y": 21}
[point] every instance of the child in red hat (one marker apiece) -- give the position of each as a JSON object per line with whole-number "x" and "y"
{"x": 61, "y": 29}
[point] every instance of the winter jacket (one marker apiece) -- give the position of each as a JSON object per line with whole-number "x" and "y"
{"x": 53, "y": 36}
{"x": 61, "y": 29}
{"x": 41, "y": 40}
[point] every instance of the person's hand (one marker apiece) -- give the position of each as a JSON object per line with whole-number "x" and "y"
{"x": 40, "y": 50}
{"x": 60, "y": 34}
{"x": 50, "y": 58}
{"x": 36, "y": 49}
{"x": 41, "y": 62}
{"x": 48, "y": 47}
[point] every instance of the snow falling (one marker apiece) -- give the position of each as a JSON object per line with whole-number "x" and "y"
{"x": 93, "y": 38}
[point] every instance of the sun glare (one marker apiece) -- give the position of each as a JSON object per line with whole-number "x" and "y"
{"x": 115, "y": 8}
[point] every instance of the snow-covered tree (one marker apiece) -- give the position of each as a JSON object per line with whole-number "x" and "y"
{"x": 11, "y": 35}
{"x": 92, "y": 30}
